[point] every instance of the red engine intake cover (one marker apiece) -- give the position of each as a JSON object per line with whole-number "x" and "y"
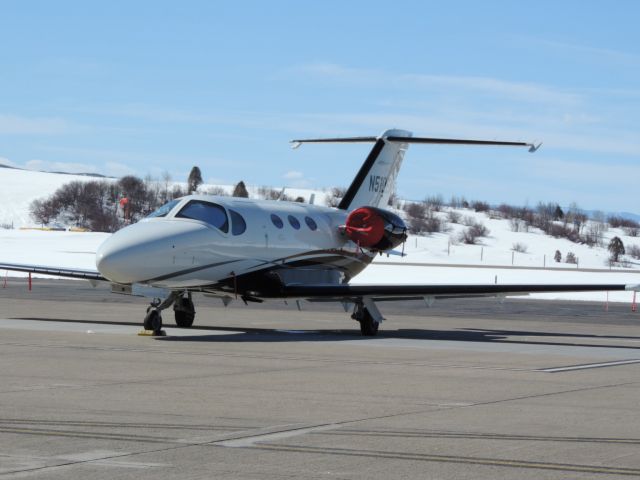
{"x": 365, "y": 227}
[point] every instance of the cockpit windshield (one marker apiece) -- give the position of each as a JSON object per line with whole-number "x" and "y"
{"x": 207, "y": 212}
{"x": 164, "y": 210}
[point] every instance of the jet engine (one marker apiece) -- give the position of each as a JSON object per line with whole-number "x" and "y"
{"x": 375, "y": 229}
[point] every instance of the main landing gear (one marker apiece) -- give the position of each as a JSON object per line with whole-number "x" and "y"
{"x": 369, "y": 317}
{"x": 183, "y": 309}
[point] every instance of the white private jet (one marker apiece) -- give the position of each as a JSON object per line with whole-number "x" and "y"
{"x": 260, "y": 249}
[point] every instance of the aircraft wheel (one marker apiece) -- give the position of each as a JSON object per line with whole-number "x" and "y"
{"x": 153, "y": 320}
{"x": 368, "y": 327}
{"x": 184, "y": 312}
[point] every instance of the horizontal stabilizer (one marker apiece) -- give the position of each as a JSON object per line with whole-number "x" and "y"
{"x": 426, "y": 140}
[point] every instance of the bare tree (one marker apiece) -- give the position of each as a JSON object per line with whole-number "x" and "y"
{"x": 166, "y": 179}
{"x": 334, "y": 198}
{"x": 434, "y": 202}
{"x": 472, "y": 234}
{"x": 634, "y": 251}
{"x": 519, "y": 247}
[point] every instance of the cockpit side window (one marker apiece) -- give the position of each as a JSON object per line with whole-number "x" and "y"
{"x": 238, "y": 225}
{"x": 164, "y": 210}
{"x": 207, "y": 212}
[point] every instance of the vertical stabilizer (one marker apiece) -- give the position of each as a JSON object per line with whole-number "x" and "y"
{"x": 376, "y": 180}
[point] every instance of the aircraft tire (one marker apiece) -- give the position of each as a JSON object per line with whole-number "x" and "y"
{"x": 368, "y": 327}
{"x": 153, "y": 320}
{"x": 184, "y": 319}
{"x": 184, "y": 312}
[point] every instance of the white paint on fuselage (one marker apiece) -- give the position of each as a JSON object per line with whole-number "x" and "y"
{"x": 154, "y": 250}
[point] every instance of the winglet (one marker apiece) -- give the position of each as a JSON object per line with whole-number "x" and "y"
{"x": 534, "y": 148}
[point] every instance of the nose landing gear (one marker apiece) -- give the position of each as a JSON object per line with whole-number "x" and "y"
{"x": 153, "y": 320}
{"x": 183, "y": 308}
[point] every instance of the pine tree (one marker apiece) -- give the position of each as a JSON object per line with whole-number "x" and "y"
{"x": 558, "y": 256}
{"x": 616, "y": 248}
{"x": 194, "y": 180}
{"x": 558, "y": 214}
{"x": 240, "y": 190}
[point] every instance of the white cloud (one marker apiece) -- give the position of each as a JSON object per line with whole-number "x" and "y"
{"x": 67, "y": 167}
{"x": 594, "y": 53}
{"x": 17, "y": 125}
{"x": 115, "y": 169}
{"x": 296, "y": 179}
{"x": 524, "y": 91}
{"x": 293, "y": 175}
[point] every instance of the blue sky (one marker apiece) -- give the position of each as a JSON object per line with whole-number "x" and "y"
{"x": 142, "y": 87}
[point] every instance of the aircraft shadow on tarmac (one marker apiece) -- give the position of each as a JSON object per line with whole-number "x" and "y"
{"x": 301, "y": 335}
{"x": 457, "y": 335}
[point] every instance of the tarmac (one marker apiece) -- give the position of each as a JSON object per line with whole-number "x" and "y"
{"x": 466, "y": 389}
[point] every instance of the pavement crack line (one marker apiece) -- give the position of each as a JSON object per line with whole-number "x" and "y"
{"x": 481, "y": 436}
{"x": 493, "y": 462}
{"x": 586, "y": 366}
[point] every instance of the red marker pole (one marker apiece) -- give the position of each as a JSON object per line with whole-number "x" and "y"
{"x": 6, "y": 273}
{"x": 29, "y": 281}
{"x": 634, "y": 307}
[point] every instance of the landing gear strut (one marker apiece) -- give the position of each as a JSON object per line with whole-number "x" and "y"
{"x": 183, "y": 308}
{"x": 368, "y": 316}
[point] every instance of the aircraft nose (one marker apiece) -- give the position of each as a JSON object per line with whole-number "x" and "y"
{"x": 115, "y": 258}
{"x": 141, "y": 251}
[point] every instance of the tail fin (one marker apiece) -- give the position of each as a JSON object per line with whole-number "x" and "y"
{"x": 376, "y": 179}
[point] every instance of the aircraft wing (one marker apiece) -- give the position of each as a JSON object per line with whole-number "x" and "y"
{"x": 413, "y": 292}
{"x": 55, "y": 271}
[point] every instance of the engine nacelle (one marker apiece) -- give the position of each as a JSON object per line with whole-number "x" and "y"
{"x": 375, "y": 229}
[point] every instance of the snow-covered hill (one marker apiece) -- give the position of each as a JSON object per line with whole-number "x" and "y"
{"x": 18, "y": 188}
{"x": 497, "y": 248}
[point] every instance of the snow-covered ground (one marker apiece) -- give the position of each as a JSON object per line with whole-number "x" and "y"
{"x": 426, "y": 261}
